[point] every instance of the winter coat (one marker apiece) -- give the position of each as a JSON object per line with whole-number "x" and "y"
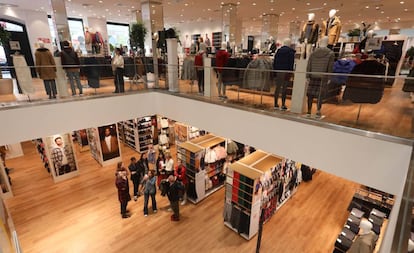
{"x": 257, "y": 75}
{"x": 45, "y": 64}
{"x": 69, "y": 57}
{"x": 332, "y": 30}
{"x": 123, "y": 188}
{"x": 174, "y": 190}
{"x": 343, "y": 67}
{"x": 321, "y": 60}
{"x": 284, "y": 59}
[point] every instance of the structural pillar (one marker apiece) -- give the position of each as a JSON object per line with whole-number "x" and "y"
{"x": 153, "y": 19}
{"x": 229, "y": 23}
{"x": 60, "y": 21}
{"x": 270, "y": 24}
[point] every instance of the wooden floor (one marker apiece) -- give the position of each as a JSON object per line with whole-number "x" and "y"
{"x": 82, "y": 215}
{"x": 393, "y": 115}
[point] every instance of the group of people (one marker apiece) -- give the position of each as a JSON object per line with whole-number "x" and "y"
{"x": 46, "y": 68}
{"x": 145, "y": 181}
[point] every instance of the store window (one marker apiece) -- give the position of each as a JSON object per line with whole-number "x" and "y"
{"x": 11, "y": 28}
{"x": 76, "y": 33}
{"x": 118, "y": 36}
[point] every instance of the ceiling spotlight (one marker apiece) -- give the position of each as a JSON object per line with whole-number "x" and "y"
{"x": 307, "y": 3}
{"x": 100, "y": 1}
{"x": 324, "y": 4}
{"x": 402, "y": 2}
{"x": 254, "y": 4}
{"x": 367, "y": 6}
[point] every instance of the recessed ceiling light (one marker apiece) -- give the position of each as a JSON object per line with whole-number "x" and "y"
{"x": 42, "y": 8}
{"x": 100, "y": 1}
{"x": 324, "y": 4}
{"x": 238, "y": 3}
{"x": 382, "y": 12}
{"x": 186, "y": 4}
{"x": 209, "y": 9}
{"x": 307, "y": 3}
{"x": 405, "y": 9}
{"x": 254, "y": 4}
{"x": 293, "y": 8}
{"x": 402, "y": 2}
{"x": 367, "y": 6}
{"x": 272, "y": 9}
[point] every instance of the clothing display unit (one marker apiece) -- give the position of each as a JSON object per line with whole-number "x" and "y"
{"x": 204, "y": 158}
{"x": 258, "y": 183}
{"x": 185, "y": 133}
{"x": 59, "y": 156}
{"x": 164, "y": 134}
{"x": 217, "y": 37}
{"x": 40, "y": 147}
{"x": 82, "y": 140}
{"x": 94, "y": 146}
{"x": 375, "y": 207}
{"x": 137, "y": 133}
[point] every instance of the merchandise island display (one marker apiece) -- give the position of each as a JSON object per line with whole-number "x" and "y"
{"x": 204, "y": 158}
{"x": 258, "y": 183}
{"x": 137, "y": 133}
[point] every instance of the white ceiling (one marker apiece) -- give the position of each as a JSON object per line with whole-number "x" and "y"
{"x": 387, "y": 13}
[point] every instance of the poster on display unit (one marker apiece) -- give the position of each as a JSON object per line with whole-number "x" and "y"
{"x": 61, "y": 154}
{"x": 108, "y": 136}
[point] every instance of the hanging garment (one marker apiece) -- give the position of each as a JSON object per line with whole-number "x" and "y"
{"x": 365, "y": 89}
{"x": 257, "y": 75}
{"x": 210, "y": 156}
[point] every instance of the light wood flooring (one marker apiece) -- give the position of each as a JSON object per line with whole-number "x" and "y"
{"x": 82, "y": 215}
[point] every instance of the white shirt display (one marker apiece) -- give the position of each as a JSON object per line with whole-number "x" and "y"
{"x": 108, "y": 142}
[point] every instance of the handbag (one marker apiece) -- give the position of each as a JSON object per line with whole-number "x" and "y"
{"x": 409, "y": 84}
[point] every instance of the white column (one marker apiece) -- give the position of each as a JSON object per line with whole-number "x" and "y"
{"x": 229, "y": 22}
{"x": 153, "y": 19}
{"x": 269, "y": 27}
{"x": 298, "y": 103}
{"x": 172, "y": 45}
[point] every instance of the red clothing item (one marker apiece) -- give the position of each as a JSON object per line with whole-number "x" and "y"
{"x": 179, "y": 172}
{"x": 198, "y": 60}
{"x": 221, "y": 59}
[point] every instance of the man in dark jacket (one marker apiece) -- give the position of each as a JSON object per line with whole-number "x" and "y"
{"x": 173, "y": 196}
{"x": 71, "y": 64}
{"x": 284, "y": 61}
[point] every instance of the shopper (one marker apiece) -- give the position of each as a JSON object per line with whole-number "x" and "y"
{"x": 173, "y": 196}
{"x": 46, "y": 68}
{"x": 71, "y": 64}
{"x": 149, "y": 190}
{"x": 199, "y": 65}
{"x": 151, "y": 155}
{"x": 121, "y": 182}
{"x": 284, "y": 61}
{"x": 182, "y": 178}
{"x": 160, "y": 168}
{"x": 135, "y": 176}
{"x": 143, "y": 164}
{"x": 118, "y": 69}
{"x": 169, "y": 165}
{"x": 222, "y": 57}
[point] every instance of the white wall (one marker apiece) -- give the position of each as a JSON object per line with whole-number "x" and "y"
{"x": 36, "y": 24}
{"x": 202, "y": 28}
{"x": 372, "y": 162}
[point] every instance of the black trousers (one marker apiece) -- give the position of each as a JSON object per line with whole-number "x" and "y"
{"x": 281, "y": 83}
{"x": 50, "y": 87}
{"x": 135, "y": 182}
{"x": 200, "y": 78}
{"x": 119, "y": 80}
{"x": 124, "y": 207}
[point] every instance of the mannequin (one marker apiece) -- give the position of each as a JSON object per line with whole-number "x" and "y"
{"x": 272, "y": 45}
{"x": 366, "y": 240}
{"x": 321, "y": 60}
{"x": 284, "y": 60}
{"x": 222, "y": 56}
{"x": 88, "y": 40}
{"x": 332, "y": 28}
{"x": 309, "y": 34}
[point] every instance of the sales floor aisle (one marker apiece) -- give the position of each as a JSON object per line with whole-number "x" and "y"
{"x": 82, "y": 215}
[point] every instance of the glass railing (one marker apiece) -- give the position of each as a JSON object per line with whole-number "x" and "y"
{"x": 375, "y": 103}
